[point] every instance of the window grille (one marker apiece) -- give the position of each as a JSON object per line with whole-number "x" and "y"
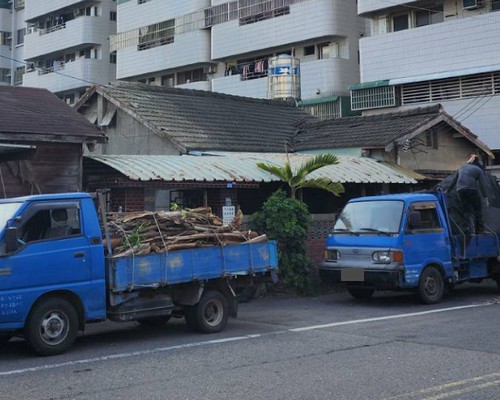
{"x": 19, "y": 4}
{"x": 485, "y": 84}
{"x": 158, "y": 34}
{"x": 18, "y": 75}
{"x": 377, "y": 97}
{"x": 4, "y": 75}
{"x": 325, "y": 110}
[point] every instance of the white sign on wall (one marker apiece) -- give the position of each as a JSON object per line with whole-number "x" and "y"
{"x": 228, "y": 214}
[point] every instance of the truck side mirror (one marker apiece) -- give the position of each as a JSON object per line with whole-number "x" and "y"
{"x": 11, "y": 243}
{"x": 415, "y": 220}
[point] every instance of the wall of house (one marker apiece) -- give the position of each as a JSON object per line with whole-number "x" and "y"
{"x": 451, "y": 152}
{"x": 55, "y": 168}
{"x": 129, "y": 136}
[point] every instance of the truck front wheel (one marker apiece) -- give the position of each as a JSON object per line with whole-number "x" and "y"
{"x": 210, "y": 314}
{"x": 431, "y": 286}
{"x": 52, "y": 327}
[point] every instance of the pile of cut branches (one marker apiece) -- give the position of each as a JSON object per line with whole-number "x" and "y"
{"x": 148, "y": 232}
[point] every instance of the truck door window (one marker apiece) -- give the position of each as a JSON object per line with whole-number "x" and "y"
{"x": 51, "y": 224}
{"x": 423, "y": 217}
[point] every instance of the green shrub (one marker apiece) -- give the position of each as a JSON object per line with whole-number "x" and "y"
{"x": 287, "y": 221}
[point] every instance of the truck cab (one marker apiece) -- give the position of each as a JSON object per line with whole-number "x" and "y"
{"x": 404, "y": 242}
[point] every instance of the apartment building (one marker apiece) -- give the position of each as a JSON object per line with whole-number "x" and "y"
{"x": 66, "y": 44}
{"x": 433, "y": 51}
{"x": 12, "y": 30}
{"x": 240, "y": 47}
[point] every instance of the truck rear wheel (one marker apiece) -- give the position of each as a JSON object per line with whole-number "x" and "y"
{"x": 52, "y": 327}
{"x": 431, "y": 286}
{"x": 360, "y": 292}
{"x": 210, "y": 314}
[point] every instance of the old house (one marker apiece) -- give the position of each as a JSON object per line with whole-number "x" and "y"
{"x": 425, "y": 140}
{"x": 144, "y": 120}
{"x": 41, "y": 143}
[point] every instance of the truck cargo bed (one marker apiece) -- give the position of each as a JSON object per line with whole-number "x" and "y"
{"x": 182, "y": 266}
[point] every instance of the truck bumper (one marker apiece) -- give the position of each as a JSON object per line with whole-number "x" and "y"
{"x": 377, "y": 279}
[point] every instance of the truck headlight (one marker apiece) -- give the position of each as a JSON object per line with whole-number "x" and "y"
{"x": 387, "y": 256}
{"x": 332, "y": 255}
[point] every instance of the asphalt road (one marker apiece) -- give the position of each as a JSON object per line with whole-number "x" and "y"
{"x": 326, "y": 347}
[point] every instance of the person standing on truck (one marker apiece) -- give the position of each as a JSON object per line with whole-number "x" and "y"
{"x": 471, "y": 185}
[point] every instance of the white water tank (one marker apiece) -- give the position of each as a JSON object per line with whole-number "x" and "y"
{"x": 283, "y": 77}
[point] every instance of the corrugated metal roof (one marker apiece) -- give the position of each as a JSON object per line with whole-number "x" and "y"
{"x": 241, "y": 167}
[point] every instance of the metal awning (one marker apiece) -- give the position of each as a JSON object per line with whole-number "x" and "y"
{"x": 313, "y": 102}
{"x": 369, "y": 85}
{"x": 242, "y": 167}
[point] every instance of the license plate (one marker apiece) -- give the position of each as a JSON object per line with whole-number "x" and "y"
{"x": 352, "y": 275}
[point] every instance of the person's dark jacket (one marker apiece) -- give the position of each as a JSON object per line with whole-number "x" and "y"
{"x": 470, "y": 176}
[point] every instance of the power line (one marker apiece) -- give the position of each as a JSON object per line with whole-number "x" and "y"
{"x": 46, "y": 70}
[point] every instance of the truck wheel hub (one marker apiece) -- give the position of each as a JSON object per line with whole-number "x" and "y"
{"x": 52, "y": 326}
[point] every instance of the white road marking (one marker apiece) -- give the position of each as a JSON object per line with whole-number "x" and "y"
{"x": 232, "y": 339}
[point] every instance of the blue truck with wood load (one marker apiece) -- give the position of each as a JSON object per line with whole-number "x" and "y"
{"x": 53, "y": 283}
{"x": 406, "y": 242}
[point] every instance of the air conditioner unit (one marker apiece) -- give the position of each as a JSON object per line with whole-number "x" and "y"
{"x": 472, "y": 4}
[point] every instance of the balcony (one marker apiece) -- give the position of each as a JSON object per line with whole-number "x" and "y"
{"x": 135, "y": 62}
{"x": 37, "y": 8}
{"x": 331, "y": 76}
{"x": 85, "y": 71}
{"x": 464, "y": 44}
{"x": 71, "y": 34}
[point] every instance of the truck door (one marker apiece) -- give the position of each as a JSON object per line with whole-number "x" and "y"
{"x": 53, "y": 255}
{"x": 425, "y": 240}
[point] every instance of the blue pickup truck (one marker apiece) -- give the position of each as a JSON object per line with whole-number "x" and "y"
{"x": 55, "y": 275}
{"x": 405, "y": 242}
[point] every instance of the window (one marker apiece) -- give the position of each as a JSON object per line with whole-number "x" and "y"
{"x": 20, "y": 36}
{"x": 431, "y": 139}
{"x": 495, "y": 5}
{"x": 167, "y": 80}
{"x": 69, "y": 98}
{"x": 326, "y": 110}
{"x": 5, "y": 38}
{"x": 18, "y": 75}
{"x": 195, "y": 75}
{"x": 4, "y": 75}
{"x": 423, "y": 217}
{"x": 324, "y": 50}
{"x": 52, "y": 223}
{"x": 112, "y": 15}
{"x": 151, "y": 81}
{"x": 251, "y": 11}
{"x": 377, "y": 97}
{"x": 400, "y": 22}
{"x": 309, "y": 50}
{"x": 428, "y": 17}
{"x": 155, "y": 35}
{"x": 112, "y": 57}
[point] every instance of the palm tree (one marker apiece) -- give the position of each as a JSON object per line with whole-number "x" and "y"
{"x": 298, "y": 179}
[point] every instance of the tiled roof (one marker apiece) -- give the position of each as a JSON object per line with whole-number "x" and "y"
{"x": 30, "y": 111}
{"x": 368, "y": 131}
{"x": 204, "y": 120}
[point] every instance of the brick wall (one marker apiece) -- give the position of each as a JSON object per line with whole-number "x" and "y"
{"x": 130, "y": 199}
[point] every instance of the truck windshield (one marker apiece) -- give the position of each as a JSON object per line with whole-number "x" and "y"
{"x": 370, "y": 217}
{"x": 7, "y": 211}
